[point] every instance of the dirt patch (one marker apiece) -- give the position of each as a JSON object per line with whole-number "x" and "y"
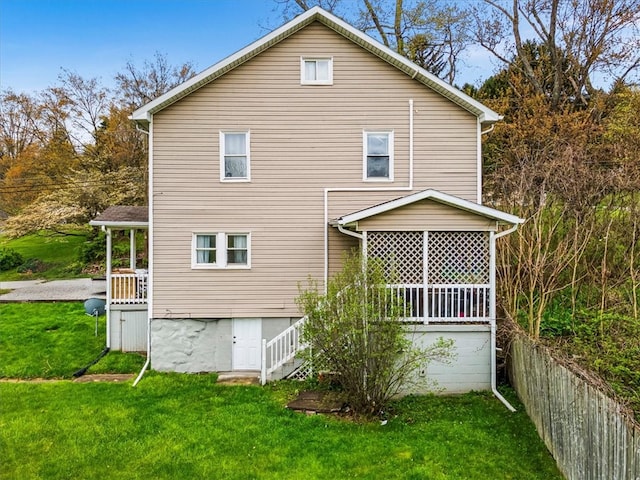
{"x": 313, "y": 401}
{"x": 105, "y": 377}
{"x": 99, "y": 377}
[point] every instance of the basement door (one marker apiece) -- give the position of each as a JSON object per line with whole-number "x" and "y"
{"x": 247, "y": 339}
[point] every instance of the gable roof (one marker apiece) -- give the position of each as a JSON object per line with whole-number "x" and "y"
{"x": 485, "y": 114}
{"x": 435, "y": 195}
{"x": 122, "y": 216}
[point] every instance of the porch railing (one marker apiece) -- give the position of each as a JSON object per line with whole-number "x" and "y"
{"x": 129, "y": 288}
{"x": 444, "y": 302}
{"x": 281, "y": 349}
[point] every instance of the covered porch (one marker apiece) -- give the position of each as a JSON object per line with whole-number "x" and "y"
{"x": 127, "y": 287}
{"x": 438, "y": 251}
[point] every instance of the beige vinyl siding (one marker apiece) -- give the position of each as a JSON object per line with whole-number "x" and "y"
{"x": 303, "y": 139}
{"x": 426, "y": 215}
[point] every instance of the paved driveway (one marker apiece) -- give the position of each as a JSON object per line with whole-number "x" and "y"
{"x": 55, "y": 290}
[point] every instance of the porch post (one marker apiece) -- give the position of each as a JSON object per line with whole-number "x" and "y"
{"x": 132, "y": 249}
{"x": 425, "y": 276}
{"x": 108, "y": 275}
{"x": 492, "y": 276}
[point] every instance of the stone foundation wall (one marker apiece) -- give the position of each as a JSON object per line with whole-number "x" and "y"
{"x": 200, "y": 345}
{"x": 190, "y": 346}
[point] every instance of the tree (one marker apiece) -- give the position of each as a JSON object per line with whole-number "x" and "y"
{"x": 140, "y": 85}
{"x": 354, "y": 330}
{"x": 582, "y": 38}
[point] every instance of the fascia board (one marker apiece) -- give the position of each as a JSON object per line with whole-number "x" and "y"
{"x": 209, "y": 74}
{"x": 108, "y": 224}
{"x": 438, "y": 197}
{"x": 485, "y": 114}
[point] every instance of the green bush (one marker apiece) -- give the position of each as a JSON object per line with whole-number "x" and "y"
{"x": 355, "y": 333}
{"x": 32, "y": 265}
{"x": 93, "y": 250}
{"x": 9, "y": 259}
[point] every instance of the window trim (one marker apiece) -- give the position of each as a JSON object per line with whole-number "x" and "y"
{"x": 365, "y": 136}
{"x": 221, "y": 252}
{"x": 303, "y": 77}
{"x": 222, "y": 137}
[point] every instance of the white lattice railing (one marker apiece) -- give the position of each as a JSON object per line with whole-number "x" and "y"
{"x": 129, "y": 288}
{"x": 281, "y": 349}
{"x": 444, "y": 302}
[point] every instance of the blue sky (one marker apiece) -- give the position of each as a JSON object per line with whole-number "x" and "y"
{"x": 96, "y": 38}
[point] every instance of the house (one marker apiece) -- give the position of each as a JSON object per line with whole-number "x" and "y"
{"x": 267, "y": 166}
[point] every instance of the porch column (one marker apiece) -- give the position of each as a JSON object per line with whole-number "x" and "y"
{"x": 492, "y": 276}
{"x": 132, "y": 249}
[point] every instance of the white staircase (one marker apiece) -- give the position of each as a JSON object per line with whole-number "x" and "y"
{"x": 282, "y": 350}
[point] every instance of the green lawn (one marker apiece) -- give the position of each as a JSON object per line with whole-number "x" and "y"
{"x": 57, "y": 252}
{"x": 186, "y": 426}
{"x": 54, "y": 340}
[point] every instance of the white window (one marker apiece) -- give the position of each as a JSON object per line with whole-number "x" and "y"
{"x": 204, "y": 249}
{"x": 234, "y": 156}
{"x": 316, "y": 71}
{"x": 237, "y": 249}
{"x": 378, "y": 156}
{"x": 221, "y": 250}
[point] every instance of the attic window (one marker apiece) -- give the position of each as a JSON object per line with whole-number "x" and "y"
{"x": 316, "y": 71}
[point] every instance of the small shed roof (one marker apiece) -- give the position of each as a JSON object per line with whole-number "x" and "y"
{"x": 122, "y": 216}
{"x": 435, "y": 195}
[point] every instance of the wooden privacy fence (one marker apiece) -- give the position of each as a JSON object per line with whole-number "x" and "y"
{"x": 590, "y": 435}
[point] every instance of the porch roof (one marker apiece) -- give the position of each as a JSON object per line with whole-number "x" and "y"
{"x": 430, "y": 194}
{"x": 122, "y": 216}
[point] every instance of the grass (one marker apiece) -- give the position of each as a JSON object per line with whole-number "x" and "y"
{"x": 53, "y": 340}
{"x": 185, "y": 426}
{"x": 174, "y": 426}
{"x": 57, "y": 252}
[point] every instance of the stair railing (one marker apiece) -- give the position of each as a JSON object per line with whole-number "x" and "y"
{"x": 281, "y": 349}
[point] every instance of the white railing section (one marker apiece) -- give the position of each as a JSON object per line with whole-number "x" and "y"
{"x": 281, "y": 349}
{"x": 444, "y": 302}
{"x": 129, "y": 288}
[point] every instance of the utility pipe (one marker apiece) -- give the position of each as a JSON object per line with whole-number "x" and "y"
{"x": 409, "y": 188}
{"x": 150, "y": 272}
{"x": 492, "y": 256}
{"x": 109, "y": 281}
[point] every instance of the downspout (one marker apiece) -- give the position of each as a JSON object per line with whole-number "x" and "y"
{"x": 109, "y": 292}
{"x": 351, "y": 233}
{"x": 150, "y": 240}
{"x": 479, "y": 160}
{"x": 364, "y": 189}
{"x": 492, "y": 256}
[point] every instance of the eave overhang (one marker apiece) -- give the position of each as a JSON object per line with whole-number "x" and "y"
{"x": 485, "y": 115}
{"x": 456, "y": 202}
{"x": 122, "y": 217}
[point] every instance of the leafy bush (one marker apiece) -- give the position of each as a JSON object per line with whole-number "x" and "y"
{"x": 93, "y": 250}
{"x": 9, "y": 259}
{"x": 32, "y": 265}
{"x": 355, "y": 332}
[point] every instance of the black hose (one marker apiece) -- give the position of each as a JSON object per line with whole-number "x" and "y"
{"x": 83, "y": 370}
